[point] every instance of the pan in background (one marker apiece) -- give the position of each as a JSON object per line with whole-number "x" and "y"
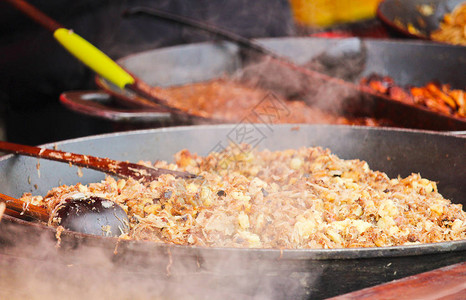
{"x": 101, "y": 105}
{"x": 142, "y": 269}
{"x": 415, "y": 18}
{"x": 408, "y": 63}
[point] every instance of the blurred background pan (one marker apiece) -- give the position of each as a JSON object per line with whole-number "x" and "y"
{"x": 408, "y": 63}
{"x": 415, "y": 18}
{"x": 99, "y": 104}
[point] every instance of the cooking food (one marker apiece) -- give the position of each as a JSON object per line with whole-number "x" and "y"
{"x": 84, "y": 214}
{"x": 453, "y": 27}
{"x": 225, "y": 99}
{"x": 304, "y": 198}
{"x": 436, "y": 97}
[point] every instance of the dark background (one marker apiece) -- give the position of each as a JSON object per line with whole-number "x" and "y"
{"x": 35, "y": 69}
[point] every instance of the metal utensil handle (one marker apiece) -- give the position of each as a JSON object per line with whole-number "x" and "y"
{"x": 249, "y": 43}
{"x": 92, "y": 57}
{"x": 87, "y": 53}
{"x": 177, "y": 19}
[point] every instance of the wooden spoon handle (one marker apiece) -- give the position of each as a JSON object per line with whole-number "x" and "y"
{"x": 18, "y": 215}
{"x": 35, "y": 14}
{"x": 109, "y": 166}
{"x": 15, "y": 207}
{"x": 96, "y": 163}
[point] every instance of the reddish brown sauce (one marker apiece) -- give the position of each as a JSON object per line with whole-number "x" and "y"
{"x": 231, "y": 101}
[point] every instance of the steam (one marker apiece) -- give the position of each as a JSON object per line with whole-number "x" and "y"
{"x": 33, "y": 267}
{"x": 295, "y": 85}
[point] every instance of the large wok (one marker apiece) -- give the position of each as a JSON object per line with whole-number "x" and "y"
{"x": 96, "y": 267}
{"x": 408, "y": 63}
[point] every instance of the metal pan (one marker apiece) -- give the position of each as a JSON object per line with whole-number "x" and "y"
{"x": 99, "y": 104}
{"x": 415, "y": 18}
{"x": 150, "y": 270}
{"x": 408, "y": 63}
{"x": 102, "y": 105}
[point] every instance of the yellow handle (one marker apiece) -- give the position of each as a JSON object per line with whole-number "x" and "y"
{"x": 93, "y": 57}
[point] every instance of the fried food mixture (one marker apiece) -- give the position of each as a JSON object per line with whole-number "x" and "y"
{"x": 434, "y": 96}
{"x": 453, "y": 27}
{"x": 304, "y": 198}
{"x": 227, "y": 100}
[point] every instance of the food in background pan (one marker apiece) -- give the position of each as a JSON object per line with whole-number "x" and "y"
{"x": 434, "y": 96}
{"x": 301, "y": 198}
{"x": 453, "y": 27}
{"x": 232, "y": 101}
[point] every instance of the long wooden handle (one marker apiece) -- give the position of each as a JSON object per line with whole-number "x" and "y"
{"x": 103, "y": 164}
{"x": 35, "y": 14}
{"x": 18, "y": 208}
{"x": 96, "y": 163}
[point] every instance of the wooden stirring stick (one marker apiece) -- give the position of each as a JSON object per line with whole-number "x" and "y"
{"x": 22, "y": 210}
{"x": 114, "y": 167}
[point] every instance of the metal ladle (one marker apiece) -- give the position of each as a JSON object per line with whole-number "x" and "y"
{"x": 91, "y": 215}
{"x": 87, "y": 214}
